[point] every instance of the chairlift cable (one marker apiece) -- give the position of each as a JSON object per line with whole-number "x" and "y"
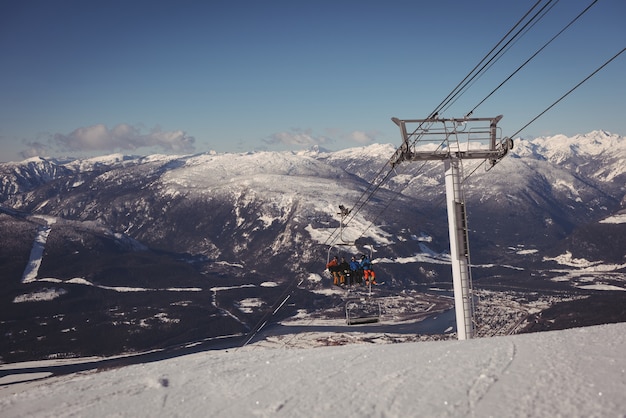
{"x": 456, "y": 91}
{"x": 533, "y": 56}
{"x": 396, "y": 196}
{"x": 376, "y": 184}
{"x": 443, "y": 105}
{"x": 451, "y": 94}
{"x": 285, "y": 295}
{"x": 505, "y": 50}
{"x": 570, "y": 91}
{"x": 555, "y": 103}
{"x": 469, "y": 78}
{"x": 459, "y": 89}
{"x": 464, "y": 83}
{"x": 372, "y": 188}
{"x": 524, "y": 64}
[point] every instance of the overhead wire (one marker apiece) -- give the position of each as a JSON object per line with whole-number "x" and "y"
{"x": 504, "y": 50}
{"x": 569, "y": 91}
{"x": 451, "y": 97}
{"x": 455, "y": 91}
{"x": 378, "y": 181}
{"x": 487, "y": 62}
{"x": 372, "y": 188}
{"x": 503, "y": 44}
{"x": 522, "y": 66}
{"x": 397, "y": 194}
{"x": 335, "y": 235}
{"x": 532, "y": 56}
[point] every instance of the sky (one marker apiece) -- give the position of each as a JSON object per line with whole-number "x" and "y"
{"x": 92, "y": 78}
{"x": 574, "y": 373}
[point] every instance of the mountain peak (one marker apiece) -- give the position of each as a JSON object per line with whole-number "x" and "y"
{"x": 558, "y": 148}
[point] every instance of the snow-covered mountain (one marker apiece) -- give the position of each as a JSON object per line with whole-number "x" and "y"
{"x": 231, "y": 234}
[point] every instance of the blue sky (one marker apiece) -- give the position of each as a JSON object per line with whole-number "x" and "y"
{"x": 86, "y": 78}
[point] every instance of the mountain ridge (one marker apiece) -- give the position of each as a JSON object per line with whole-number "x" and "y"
{"x": 236, "y": 221}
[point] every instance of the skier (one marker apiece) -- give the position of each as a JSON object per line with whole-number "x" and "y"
{"x": 333, "y": 267}
{"x": 356, "y": 273}
{"x": 368, "y": 271}
{"x": 344, "y": 271}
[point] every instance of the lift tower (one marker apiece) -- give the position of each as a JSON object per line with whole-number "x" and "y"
{"x": 451, "y": 141}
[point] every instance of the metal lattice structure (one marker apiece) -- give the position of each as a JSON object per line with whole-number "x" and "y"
{"x": 441, "y": 139}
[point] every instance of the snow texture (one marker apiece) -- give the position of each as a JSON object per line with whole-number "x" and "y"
{"x": 32, "y": 268}
{"x": 42, "y": 295}
{"x": 617, "y": 219}
{"x": 574, "y": 373}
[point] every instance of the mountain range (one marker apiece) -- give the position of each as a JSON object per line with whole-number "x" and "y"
{"x": 122, "y": 253}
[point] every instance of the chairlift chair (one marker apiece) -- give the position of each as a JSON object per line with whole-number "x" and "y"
{"x": 359, "y": 309}
{"x": 362, "y": 310}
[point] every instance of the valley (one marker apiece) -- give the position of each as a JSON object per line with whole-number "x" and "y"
{"x": 130, "y": 254}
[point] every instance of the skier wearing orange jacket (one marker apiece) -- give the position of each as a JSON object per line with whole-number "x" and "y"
{"x": 333, "y": 267}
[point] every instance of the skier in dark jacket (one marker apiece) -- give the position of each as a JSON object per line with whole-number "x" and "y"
{"x": 344, "y": 271}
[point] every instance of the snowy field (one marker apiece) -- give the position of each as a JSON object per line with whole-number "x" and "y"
{"x": 575, "y": 373}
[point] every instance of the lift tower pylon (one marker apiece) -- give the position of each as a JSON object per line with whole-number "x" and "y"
{"x": 451, "y": 141}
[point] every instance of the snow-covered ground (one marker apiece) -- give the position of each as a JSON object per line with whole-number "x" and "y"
{"x": 575, "y": 373}
{"x": 616, "y": 219}
{"x": 32, "y": 268}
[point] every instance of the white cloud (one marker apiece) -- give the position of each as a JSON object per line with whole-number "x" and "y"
{"x": 361, "y": 137}
{"x": 297, "y": 137}
{"x": 124, "y": 137}
{"x": 306, "y": 138}
{"x": 35, "y": 149}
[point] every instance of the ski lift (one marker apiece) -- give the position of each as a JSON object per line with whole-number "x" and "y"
{"x": 362, "y": 310}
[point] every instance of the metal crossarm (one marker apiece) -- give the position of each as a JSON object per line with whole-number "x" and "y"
{"x": 440, "y": 139}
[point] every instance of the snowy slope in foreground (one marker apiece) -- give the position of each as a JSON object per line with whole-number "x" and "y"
{"x": 577, "y": 372}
